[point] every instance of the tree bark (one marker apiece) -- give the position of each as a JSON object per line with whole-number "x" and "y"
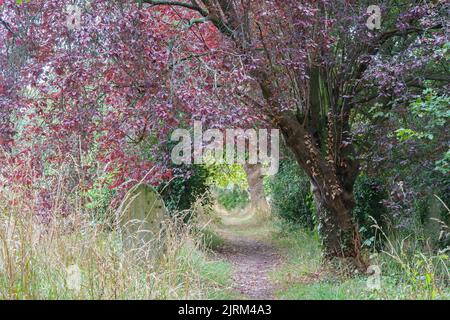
{"x": 258, "y": 200}
{"x": 338, "y": 232}
{"x": 332, "y": 190}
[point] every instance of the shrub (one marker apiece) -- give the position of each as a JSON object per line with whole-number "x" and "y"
{"x": 369, "y": 196}
{"x": 233, "y": 198}
{"x": 291, "y": 196}
{"x": 411, "y": 155}
{"x": 185, "y": 188}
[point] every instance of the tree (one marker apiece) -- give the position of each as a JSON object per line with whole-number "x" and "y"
{"x": 93, "y": 97}
{"x": 255, "y": 182}
{"x": 310, "y": 60}
{"x": 101, "y": 92}
{"x": 115, "y": 86}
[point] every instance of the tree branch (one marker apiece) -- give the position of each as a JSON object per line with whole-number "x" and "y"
{"x": 189, "y": 6}
{"x": 396, "y": 33}
{"x": 221, "y": 25}
{"x": 6, "y": 25}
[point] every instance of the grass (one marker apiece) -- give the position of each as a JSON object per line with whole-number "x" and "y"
{"x": 302, "y": 250}
{"x": 74, "y": 258}
{"x": 323, "y": 291}
{"x": 210, "y": 239}
{"x": 408, "y": 271}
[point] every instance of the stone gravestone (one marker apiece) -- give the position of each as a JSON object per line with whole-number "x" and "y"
{"x": 142, "y": 215}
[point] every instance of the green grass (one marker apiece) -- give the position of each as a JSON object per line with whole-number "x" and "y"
{"x": 217, "y": 273}
{"x": 36, "y": 264}
{"x": 323, "y": 291}
{"x": 407, "y": 273}
{"x": 210, "y": 239}
{"x": 302, "y": 251}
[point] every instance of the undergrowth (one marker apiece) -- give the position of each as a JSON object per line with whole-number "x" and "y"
{"x": 73, "y": 257}
{"x": 408, "y": 270}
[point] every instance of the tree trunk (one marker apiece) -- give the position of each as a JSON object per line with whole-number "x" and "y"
{"x": 332, "y": 188}
{"x": 258, "y": 200}
{"x": 337, "y": 230}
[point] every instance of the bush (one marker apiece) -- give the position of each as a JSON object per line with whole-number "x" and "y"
{"x": 185, "y": 188}
{"x": 369, "y": 196}
{"x": 291, "y": 196}
{"x": 233, "y": 198}
{"x": 411, "y": 154}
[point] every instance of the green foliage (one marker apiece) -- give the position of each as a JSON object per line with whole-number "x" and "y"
{"x": 99, "y": 198}
{"x": 443, "y": 165}
{"x": 413, "y": 161}
{"x": 429, "y": 115}
{"x": 432, "y": 109}
{"x": 225, "y": 175}
{"x": 185, "y": 188}
{"x": 233, "y": 198}
{"x": 369, "y": 196}
{"x": 291, "y": 196}
{"x": 210, "y": 239}
{"x": 231, "y": 185}
{"x": 429, "y": 112}
{"x": 403, "y": 134}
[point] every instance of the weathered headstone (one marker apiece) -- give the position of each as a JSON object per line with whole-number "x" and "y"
{"x": 142, "y": 215}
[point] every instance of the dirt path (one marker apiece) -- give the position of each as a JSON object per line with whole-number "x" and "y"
{"x": 249, "y": 250}
{"x": 251, "y": 260}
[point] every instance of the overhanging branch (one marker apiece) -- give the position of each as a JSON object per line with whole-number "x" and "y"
{"x": 218, "y": 22}
{"x": 6, "y": 25}
{"x": 186, "y": 5}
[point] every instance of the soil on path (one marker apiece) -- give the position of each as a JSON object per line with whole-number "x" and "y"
{"x": 248, "y": 248}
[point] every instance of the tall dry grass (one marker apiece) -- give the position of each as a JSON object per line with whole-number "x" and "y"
{"x": 72, "y": 257}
